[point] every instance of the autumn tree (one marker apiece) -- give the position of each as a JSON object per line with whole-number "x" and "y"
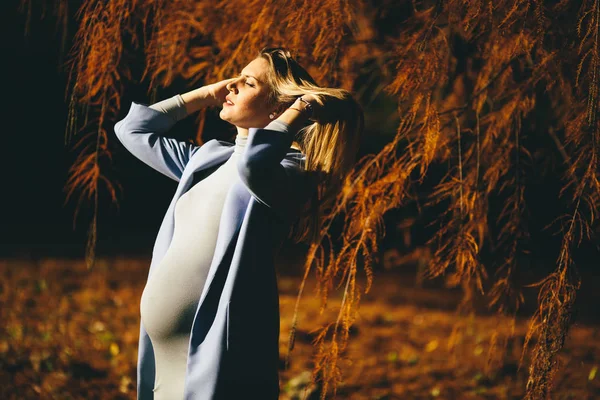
{"x": 470, "y": 78}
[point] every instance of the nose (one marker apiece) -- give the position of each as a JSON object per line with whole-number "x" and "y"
{"x": 232, "y": 86}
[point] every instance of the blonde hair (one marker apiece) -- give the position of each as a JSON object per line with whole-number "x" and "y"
{"x": 330, "y": 144}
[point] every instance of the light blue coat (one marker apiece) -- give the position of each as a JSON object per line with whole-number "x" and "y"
{"x": 234, "y": 349}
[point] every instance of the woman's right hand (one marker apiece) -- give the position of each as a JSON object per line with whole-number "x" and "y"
{"x": 218, "y": 91}
{"x": 206, "y": 96}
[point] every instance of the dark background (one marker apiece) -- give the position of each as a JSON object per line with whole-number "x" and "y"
{"x": 35, "y": 160}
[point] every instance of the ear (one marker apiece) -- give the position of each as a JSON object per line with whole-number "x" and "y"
{"x": 274, "y": 113}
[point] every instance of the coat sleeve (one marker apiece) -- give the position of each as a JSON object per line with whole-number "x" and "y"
{"x": 277, "y": 181}
{"x": 141, "y": 133}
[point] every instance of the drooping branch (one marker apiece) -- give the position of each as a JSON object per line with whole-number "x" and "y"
{"x": 466, "y": 76}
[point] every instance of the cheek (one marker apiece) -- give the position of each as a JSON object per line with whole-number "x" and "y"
{"x": 253, "y": 103}
{"x": 252, "y": 107}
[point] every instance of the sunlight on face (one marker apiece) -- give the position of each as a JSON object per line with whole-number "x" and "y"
{"x": 246, "y": 104}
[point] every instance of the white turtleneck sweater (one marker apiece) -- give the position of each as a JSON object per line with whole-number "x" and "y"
{"x": 172, "y": 293}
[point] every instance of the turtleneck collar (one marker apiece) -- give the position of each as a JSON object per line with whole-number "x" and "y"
{"x": 240, "y": 144}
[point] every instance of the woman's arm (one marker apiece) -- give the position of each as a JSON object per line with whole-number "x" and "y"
{"x": 279, "y": 183}
{"x": 141, "y": 131}
{"x": 173, "y": 107}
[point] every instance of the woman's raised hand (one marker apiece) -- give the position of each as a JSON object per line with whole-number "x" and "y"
{"x": 328, "y": 108}
{"x": 206, "y": 96}
{"x": 218, "y": 91}
{"x": 317, "y": 108}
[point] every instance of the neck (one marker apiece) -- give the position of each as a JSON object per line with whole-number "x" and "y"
{"x": 242, "y": 132}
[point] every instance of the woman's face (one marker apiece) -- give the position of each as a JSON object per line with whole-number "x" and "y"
{"x": 246, "y": 104}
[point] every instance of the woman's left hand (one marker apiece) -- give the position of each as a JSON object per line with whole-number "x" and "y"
{"x": 316, "y": 106}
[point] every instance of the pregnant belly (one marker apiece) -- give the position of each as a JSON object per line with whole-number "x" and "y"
{"x": 171, "y": 295}
{"x": 170, "y": 300}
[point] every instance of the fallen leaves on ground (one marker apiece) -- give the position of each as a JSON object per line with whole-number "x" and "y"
{"x": 70, "y": 333}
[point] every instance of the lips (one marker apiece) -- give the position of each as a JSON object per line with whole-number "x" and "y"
{"x": 228, "y": 101}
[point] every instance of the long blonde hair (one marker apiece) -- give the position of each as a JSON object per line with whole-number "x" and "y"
{"x": 330, "y": 144}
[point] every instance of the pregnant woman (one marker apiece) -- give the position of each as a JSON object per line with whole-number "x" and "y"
{"x": 210, "y": 310}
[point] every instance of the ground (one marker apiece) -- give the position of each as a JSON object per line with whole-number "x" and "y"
{"x": 70, "y": 333}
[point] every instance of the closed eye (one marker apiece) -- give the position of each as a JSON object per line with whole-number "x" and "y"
{"x": 246, "y": 80}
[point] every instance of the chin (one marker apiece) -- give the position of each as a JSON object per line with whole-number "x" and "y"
{"x": 226, "y": 118}
{"x": 244, "y": 123}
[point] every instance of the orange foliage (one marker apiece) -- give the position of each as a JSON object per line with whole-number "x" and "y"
{"x": 467, "y": 74}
